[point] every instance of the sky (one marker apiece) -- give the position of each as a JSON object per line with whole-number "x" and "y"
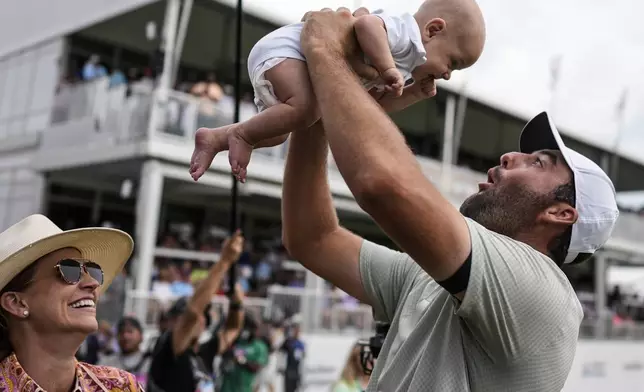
{"x": 601, "y": 49}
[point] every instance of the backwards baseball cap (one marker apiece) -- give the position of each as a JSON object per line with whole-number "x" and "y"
{"x": 594, "y": 191}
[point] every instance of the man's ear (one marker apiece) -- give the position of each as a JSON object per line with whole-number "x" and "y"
{"x": 559, "y": 213}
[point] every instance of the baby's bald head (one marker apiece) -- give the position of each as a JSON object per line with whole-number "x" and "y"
{"x": 461, "y": 21}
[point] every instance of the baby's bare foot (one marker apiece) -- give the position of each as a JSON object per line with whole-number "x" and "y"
{"x": 239, "y": 151}
{"x": 208, "y": 142}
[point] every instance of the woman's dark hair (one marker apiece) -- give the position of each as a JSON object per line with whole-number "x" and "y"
{"x": 17, "y": 284}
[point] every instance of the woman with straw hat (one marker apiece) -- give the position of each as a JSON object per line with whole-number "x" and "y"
{"x": 50, "y": 281}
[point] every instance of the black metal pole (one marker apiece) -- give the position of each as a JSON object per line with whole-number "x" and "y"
{"x": 234, "y": 195}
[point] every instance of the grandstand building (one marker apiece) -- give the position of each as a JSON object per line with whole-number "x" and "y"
{"x": 87, "y": 150}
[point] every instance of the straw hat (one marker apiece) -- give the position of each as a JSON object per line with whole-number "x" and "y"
{"x": 36, "y": 236}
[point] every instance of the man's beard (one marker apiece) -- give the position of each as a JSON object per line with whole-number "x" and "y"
{"x": 506, "y": 209}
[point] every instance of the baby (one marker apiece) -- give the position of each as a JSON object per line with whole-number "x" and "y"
{"x": 441, "y": 37}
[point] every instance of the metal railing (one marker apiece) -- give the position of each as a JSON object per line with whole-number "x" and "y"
{"x": 318, "y": 312}
{"x": 156, "y": 305}
{"x": 605, "y": 328}
{"x": 338, "y": 313}
{"x": 119, "y": 115}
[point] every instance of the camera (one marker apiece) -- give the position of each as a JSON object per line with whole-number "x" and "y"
{"x": 370, "y": 348}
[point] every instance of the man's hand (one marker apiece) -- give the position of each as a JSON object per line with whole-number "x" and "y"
{"x": 330, "y": 32}
{"x": 353, "y": 53}
{"x": 232, "y": 248}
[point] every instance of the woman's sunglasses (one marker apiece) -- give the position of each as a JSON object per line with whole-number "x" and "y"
{"x": 71, "y": 270}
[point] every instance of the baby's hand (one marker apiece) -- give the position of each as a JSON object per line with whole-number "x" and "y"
{"x": 428, "y": 87}
{"x": 394, "y": 82}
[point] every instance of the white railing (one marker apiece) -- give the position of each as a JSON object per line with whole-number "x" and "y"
{"x": 186, "y": 113}
{"x": 322, "y": 311}
{"x": 117, "y": 114}
{"x": 318, "y": 312}
{"x": 120, "y": 118}
{"x": 156, "y": 305}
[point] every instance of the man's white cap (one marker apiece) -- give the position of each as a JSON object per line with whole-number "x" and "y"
{"x": 594, "y": 191}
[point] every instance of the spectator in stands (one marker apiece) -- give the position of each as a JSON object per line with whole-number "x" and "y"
{"x": 270, "y": 332}
{"x": 49, "y": 284}
{"x": 295, "y": 352}
{"x": 176, "y": 365}
{"x": 208, "y": 89}
{"x": 93, "y": 69}
{"x": 99, "y": 343}
{"x": 117, "y": 78}
{"x": 182, "y": 287}
{"x": 113, "y": 300}
{"x": 209, "y": 93}
{"x": 162, "y": 288}
{"x": 244, "y": 359}
{"x": 131, "y": 356}
{"x": 263, "y": 275}
{"x": 614, "y": 298}
{"x": 133, "y": 76}
{"x": 352, "y": 378}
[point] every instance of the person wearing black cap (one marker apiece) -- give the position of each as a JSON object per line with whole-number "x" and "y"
{"x": 130, "y": 358}
{"x": 176, "y": 365}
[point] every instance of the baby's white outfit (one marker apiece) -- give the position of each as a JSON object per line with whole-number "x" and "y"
{"x": 403, "y": 34}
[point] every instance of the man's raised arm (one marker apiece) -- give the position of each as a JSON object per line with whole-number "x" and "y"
{"x": 373, "y": 157}
{"x": 310, "y": 228}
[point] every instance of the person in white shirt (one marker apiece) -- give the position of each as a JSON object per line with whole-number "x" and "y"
{"x": 442, "y": 36}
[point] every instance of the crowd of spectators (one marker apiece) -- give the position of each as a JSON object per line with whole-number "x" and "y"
{"x": 259, "y": 267}
{"x": 125, "y": 345}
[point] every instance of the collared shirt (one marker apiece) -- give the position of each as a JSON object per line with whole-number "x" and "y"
{"x": 515, "y": 330}
{"x": 89, "y": 378}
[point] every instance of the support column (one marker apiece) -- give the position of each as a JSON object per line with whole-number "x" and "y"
{"x": 147, "y": 225}
{"x": 186, "y": 12}
{"x": 96, "y": 208}
{"x": 605, "y": 162}
{"x": 313, "y": 302}
{"x": 461, "y": 110}
{"x": 164, "y": 83}
{"x": 600, "y": 294}
{"x": 448, "y": 144}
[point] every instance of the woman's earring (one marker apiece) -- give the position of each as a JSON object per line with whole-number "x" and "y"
{"x": 25, "y": 313}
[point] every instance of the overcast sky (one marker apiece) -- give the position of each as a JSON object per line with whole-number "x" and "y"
{"x": 601, "y": 45}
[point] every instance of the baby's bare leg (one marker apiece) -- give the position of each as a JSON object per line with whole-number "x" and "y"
{"x": 272, "y": 142}
{"x": 297, "y": 109}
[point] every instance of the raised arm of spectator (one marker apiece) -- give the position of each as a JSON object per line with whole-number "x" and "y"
{"x": 234, "y": 320}
{"x": 187, "y": 326}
